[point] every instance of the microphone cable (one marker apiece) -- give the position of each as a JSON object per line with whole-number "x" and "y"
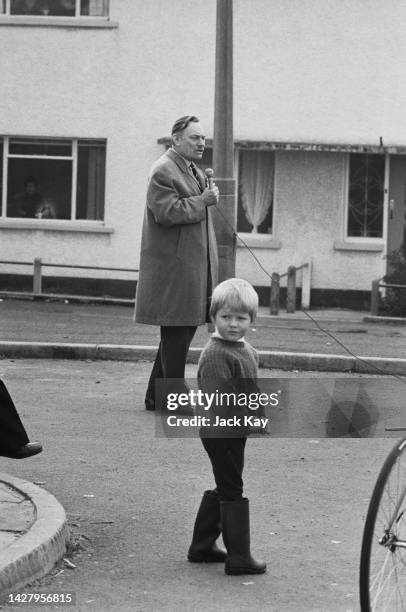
{"x": 379, "y": 370}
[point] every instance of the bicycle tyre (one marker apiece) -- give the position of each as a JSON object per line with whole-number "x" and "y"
{"x": 391, "y": 472}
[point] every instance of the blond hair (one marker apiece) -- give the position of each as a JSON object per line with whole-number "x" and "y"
{"x": 235, "y": 293}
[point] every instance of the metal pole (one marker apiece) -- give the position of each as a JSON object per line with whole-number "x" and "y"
{"x": 291, "y": 290}
{"x": 223, "y": 143}
{"x": 274, "y": 301}
{"x": 306, "y": 285}
{"x": 375, "y": 297}
{"x": 37, "y": 280}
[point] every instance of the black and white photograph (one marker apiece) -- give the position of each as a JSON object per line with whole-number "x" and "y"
{"x": 203, "y": 305}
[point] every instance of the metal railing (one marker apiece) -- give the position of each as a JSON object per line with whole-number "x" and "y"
{"x": 291, "y": 288}
{"x": 38, "y": 265}
{"x": 376, "y": 284}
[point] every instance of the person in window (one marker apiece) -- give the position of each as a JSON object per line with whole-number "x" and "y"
{"x": 67, "y": 7}
{"x": 63, "y": 8}
{"x": 178, "y": 263}
{"x": 50, "y": 8}
{"x": 46, "y": 210}
{"x": 27, "y": 203}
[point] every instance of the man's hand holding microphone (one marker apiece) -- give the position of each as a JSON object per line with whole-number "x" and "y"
{"x": 211, "y": 193}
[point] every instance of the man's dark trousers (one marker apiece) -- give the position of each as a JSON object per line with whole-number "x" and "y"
{"x": 170, "y": 360}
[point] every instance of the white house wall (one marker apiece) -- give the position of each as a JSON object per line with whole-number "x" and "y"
{"x": 305, "y": 71}
{"x": 309, "y": 220}
{"x": 126, "y": 85}
{"x": 320, "y": 70}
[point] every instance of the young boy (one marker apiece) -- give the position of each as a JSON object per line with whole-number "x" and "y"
{"x": 228, "y": 362}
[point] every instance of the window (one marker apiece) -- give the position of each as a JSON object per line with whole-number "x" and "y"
{"x": 366, "y": 177}
{"x": 255, "y": 191}
{"x": 53, "y": 178}
{"x": 255, "y": 187}
{"x": 56, "y": 8}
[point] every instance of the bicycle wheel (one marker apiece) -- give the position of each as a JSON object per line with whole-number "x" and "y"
{"x": 383, "y": 552}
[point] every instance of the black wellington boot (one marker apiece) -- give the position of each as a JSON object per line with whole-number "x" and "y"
{"x": 236, "y": 535}
{"x": 206, "y": 531}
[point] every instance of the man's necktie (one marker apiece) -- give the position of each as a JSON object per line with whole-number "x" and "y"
{"x": 195, "y": 174}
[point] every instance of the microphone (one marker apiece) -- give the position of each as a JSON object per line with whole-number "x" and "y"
{"x": 209, "y": 172}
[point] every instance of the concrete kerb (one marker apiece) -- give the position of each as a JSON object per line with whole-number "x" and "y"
{"x": 380, "y": 365}
{"x": 35, "y": 553}
{"x": 267, "y": 359}
{"x": 384, "y": 320}
{"x": 307, "y": 361}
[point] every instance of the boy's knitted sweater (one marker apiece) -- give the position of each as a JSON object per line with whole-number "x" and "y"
{"x": 230, "y": 360}
{"x": 229, "y": 368}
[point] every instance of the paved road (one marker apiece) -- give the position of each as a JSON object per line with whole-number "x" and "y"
{"x": 59, "y": 322}
{"x": 131, "y": 499}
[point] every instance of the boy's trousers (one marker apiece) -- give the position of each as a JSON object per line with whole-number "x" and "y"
{"x": 227, "y": 460}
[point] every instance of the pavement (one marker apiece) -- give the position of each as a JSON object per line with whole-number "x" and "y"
{"x": 325, "y": 340}
{"x": 33, "y": 532}
{"x": 33, "y": 526}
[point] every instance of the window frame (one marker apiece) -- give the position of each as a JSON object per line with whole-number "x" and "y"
{"x": 74, "y": 142}
{"x": 372, "y": 240}
{"x": 7, "y": 5}
{"x": 259, "y": 240}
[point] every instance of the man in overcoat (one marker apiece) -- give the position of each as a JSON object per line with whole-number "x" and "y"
{"x": 178, "y": 263}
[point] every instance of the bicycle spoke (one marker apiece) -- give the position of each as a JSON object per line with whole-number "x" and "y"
{"x": 383, "y": 557}
{"x": 381, "y": 592}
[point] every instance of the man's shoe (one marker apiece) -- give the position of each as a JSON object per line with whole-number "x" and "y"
{"x": 149, "y": 404}
{"x": 28, "y": 450}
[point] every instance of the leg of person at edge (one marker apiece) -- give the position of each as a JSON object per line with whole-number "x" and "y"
{"x": 178, "y": 261}
{"x": 227, "y": 363}
{"x": 14, "y": 442}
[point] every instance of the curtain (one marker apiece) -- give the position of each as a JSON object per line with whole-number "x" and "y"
{"x": 256, "y": 184}
{"x": 95, "y": 185}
